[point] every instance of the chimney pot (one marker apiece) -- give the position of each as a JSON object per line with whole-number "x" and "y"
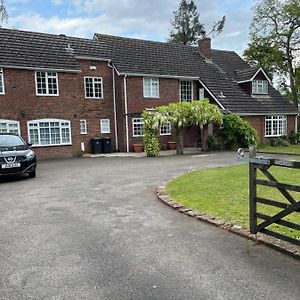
{"x": 205, "y": 45}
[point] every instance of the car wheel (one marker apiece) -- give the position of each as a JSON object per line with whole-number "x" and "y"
{"x": 32, "y": 174}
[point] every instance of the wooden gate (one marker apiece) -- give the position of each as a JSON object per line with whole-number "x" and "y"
{"x": 291, "y": 205}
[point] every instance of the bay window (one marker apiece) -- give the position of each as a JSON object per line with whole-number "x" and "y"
{"x": 275, "y": 126}
{"x": 49, "y": 132}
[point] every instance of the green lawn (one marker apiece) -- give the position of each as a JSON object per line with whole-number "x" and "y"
{"x": 223, "y": 193}
{"x": 281, "y": 149}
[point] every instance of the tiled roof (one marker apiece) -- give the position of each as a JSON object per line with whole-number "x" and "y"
{"x": 132, "y": 56}
{"x": 246, "y": 74}
{"x": 46, "y": 51}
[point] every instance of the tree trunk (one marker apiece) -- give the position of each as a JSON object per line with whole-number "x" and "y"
{"x": 179, "y": 140}
{"x": 291, "y": 72}
{"x": 204, "y": 134}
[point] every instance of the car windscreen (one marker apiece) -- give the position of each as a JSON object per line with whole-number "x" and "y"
{"x": 8, "y": 141}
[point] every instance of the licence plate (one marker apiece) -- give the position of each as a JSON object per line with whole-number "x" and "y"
{"x": 8, "y": 166}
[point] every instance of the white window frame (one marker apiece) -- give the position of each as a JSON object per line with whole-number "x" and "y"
{"x": 93, "y": 78}
{"x": 192, "y": 90}
{"x": 10, "y": 122}
{"x": 83, "y": 126}
{"x": 152, "y": 81}
{"x": 165, "y": 125}
{"x": 260, "y": 84}
{"x": 37, "y": 122}
{"x": 102, "y": 128}
{"x": 47, "y": 76}
{"x": 137, "y": 121}
{"x": 2, "y": 82}
{"x": 201, "y": 93}
{"x": 273, "y": 120}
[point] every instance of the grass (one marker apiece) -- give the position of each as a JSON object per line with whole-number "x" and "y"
{"x": 295, "y": 149}
{"x": 223, "y": 193}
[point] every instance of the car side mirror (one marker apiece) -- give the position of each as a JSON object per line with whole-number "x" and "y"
{"x": 29, "y": 144}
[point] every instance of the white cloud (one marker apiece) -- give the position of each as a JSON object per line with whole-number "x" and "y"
{"x": 57, "y": 2}
{"x": 141, "y": 19}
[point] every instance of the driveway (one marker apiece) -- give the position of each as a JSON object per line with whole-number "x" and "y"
{"x": 93, "y": 229}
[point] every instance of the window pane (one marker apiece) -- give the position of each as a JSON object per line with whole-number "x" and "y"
{"x": 138, "y": 127}
{"x": 93, "y": 87}
{"x": 165, "y": 129}
{"x": 185, "y": 91}
{"x": 83, "y": 127}
{"x": 47, "y": 133}
{"x": 105, "y": 126}
{"x": 151, "y": 87}
{"x": 1, "y": 82}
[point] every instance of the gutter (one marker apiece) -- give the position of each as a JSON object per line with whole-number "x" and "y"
{"x": 115, "y": 106}
{"x": 126, "y": 113}
{"x": 40, "y": 69}
{"x": 158, "y": 76}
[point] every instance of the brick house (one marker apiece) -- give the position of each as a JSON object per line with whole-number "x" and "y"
{"x": 58, "y": 92}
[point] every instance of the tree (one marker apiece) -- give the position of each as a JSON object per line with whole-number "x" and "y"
{"x": 275, "y": 40}
{"x": 187, "y": 26}
{"x": 3, "y": 11}
{"x": 180, "y": 115}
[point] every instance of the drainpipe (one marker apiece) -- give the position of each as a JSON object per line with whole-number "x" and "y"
{"x": 115, "y": 106}
{"x": 126, "y": 113}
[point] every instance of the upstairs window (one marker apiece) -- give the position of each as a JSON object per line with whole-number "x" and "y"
{"x": 93, "y": 87}
{"x": 275, "y": 126}
{"x": 151, "y": 88}
{"x": 9, "y": 126}
{"x": 201, "y": 94}
{"x": 260, "y": 87}
{"x": 186, "y": 91}
{"x": 46, "y": 83}
{"x": 1, "y": 82}
{"x": 138, "y": 127}
{"x": 46, "y": 132}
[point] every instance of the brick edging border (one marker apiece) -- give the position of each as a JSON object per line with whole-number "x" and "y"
{"x": 271, "y": 242}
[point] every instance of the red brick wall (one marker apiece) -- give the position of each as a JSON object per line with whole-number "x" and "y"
{"x": 168, "y": 92}
{"x": 20, "y": 103}
{"x": 258, "y": 122}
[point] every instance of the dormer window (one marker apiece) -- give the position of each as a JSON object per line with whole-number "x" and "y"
{"x": 260, "y": 87}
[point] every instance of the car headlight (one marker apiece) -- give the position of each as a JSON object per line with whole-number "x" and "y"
{"x": 30, "y": 155}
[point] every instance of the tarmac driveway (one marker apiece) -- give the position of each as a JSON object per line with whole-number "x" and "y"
{"x": 93, "y": 229}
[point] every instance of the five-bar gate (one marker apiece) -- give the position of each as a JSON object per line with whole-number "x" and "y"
{"x": 263, "y": 165}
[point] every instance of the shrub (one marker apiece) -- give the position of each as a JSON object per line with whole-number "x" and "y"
{"x": 294, "y": 137}
{"x": 238, "y": 132}
{"x": 279, "y": 141}
{"x": 151, "y": 141}
{"x": 211, "y": 142}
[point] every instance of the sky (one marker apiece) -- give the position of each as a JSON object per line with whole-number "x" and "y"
{"x": 132, "y": 18}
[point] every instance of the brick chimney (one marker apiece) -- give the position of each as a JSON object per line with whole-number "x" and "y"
{"x": 205, "y": 45}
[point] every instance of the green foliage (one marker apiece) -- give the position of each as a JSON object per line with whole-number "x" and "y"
{"x": 294, "y": 137}
{"x": 201, "y": 190}
{"x": 183, "y": 114}
{"x": 238, "y": 132}
{"x": 211, "y": 142}
{"x": 186, "y": 26}
{"x": 178, "y": 115}
{"x": 279, "y": 141}
{"x": 275, "y": 35}
{"x": 3, "y": 11}
{"x": 151, "y": 141}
